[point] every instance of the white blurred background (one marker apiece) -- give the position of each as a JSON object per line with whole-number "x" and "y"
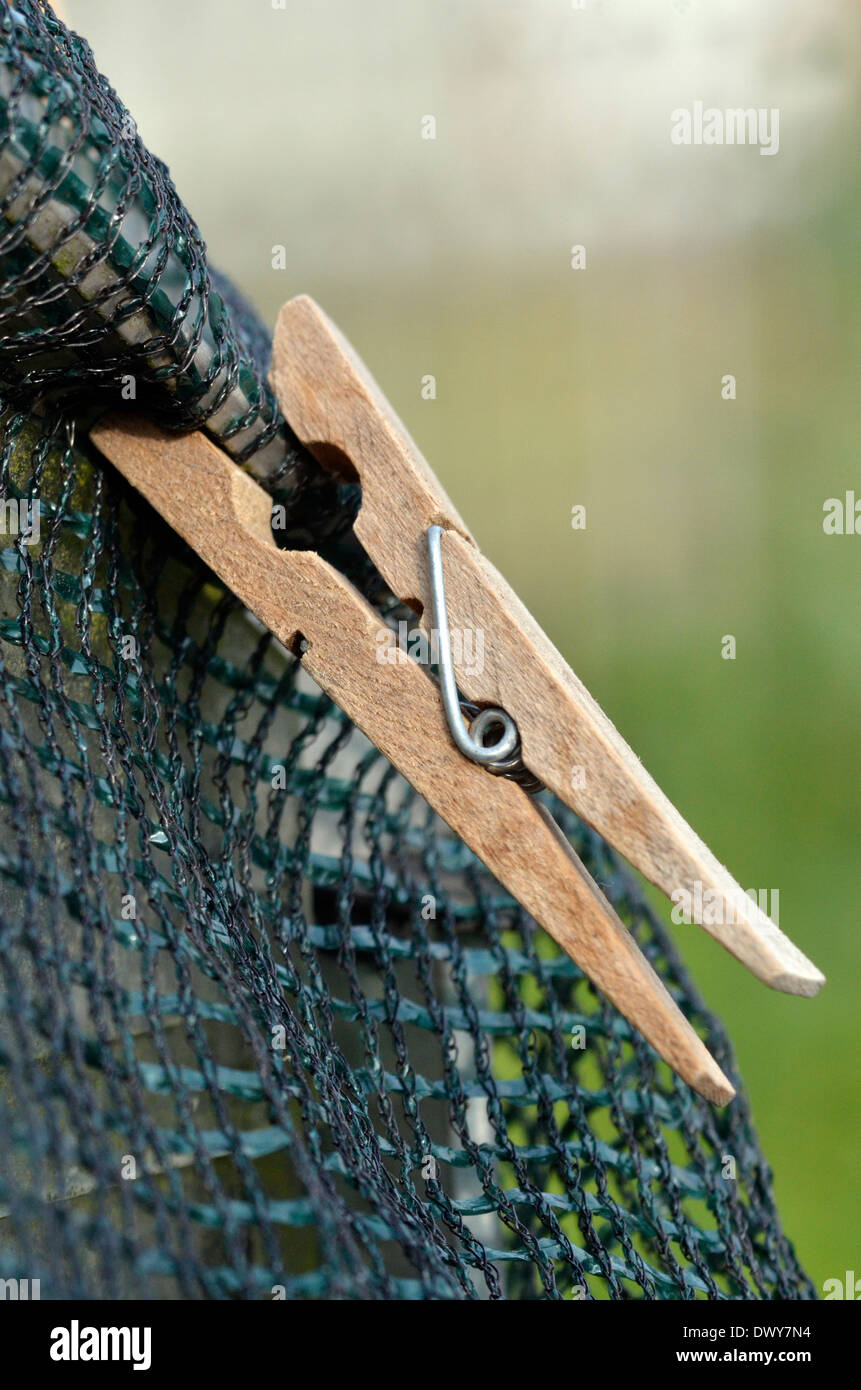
{"x": 552, "y": 122}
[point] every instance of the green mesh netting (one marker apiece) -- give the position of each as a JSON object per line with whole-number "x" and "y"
{"x": 266, "y": 1027}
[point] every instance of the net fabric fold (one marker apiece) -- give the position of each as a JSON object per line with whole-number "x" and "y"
{"x": 267, "y": 1028}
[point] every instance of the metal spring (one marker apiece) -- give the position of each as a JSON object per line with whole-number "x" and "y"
{"x": 502, "y": 756}
{"x": 481, "y": 722}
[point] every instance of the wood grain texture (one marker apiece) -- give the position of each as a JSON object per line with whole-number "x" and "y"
{"x": 330, "y": 399}
{"x": 225, "y": 516}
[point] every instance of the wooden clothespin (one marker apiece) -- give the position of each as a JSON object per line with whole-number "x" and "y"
{"x": 548, "y": 721}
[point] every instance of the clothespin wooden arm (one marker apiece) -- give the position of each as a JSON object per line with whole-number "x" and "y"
{"x": 337, "y": 409}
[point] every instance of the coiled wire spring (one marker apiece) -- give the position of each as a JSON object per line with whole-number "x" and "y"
{"x": 502, "y": 756}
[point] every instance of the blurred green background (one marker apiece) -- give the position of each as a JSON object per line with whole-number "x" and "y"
{"x": 302, "y": 127}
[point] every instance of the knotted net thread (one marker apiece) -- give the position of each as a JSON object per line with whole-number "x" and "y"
{"x": 267, "y": 1028}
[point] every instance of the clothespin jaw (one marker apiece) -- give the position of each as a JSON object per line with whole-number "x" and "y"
{"x": 338, "y": 412}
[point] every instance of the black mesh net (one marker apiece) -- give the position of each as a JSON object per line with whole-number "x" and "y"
{"x": 266, "y": 1027}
